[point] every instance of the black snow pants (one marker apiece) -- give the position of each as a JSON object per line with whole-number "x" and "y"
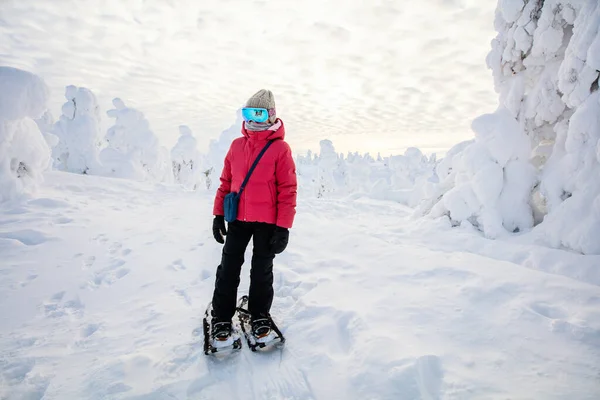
{"x": 260, "y": 296}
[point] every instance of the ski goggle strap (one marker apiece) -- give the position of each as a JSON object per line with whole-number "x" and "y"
{"x": 257, "y": 114}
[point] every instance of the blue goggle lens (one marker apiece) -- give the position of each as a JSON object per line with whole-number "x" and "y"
{"x": 255, "y": 114}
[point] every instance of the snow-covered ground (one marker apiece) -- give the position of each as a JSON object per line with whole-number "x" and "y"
{"x": 104, "y": 283}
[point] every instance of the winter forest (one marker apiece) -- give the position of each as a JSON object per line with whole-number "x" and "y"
{"x": 465, "y": 265}
{"x": 532, "y": 166}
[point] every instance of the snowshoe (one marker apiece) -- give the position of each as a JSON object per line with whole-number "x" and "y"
{"x": 219, "y": 336}
{"x": 260, "y": 331}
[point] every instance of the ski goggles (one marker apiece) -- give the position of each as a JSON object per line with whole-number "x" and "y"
{"x": 257, "y": 114}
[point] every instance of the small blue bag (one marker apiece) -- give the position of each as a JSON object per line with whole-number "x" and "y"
{"x": 231, "y": 203}
{"x": 232, "y": 200}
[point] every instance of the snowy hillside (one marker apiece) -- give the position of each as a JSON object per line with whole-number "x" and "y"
{"x": 104, "y": 282}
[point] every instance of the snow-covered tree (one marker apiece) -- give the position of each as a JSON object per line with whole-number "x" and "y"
{"x": 359, "y": 179}
{"x": 404, "y": 178}
{"x": 328, "y": 160}
{"x": 187, "y": 161}
{"x": 24, "y": 154}
{"x": 133, "y": 150}
{"x": 546, "y": 62}
{"x": 78, "y": 132}
{"x": 46, "y": 125}
{"x": 217, "y": 150}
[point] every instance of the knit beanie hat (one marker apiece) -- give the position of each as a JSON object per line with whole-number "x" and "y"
{"x": 264, "y": 99}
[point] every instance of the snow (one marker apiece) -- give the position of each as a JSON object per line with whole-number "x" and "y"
{"x": 78, "y": 132}
{"x": 133, "y": 150}
{"x": 105, "y": 301}
{"x": 24, "y": 154}
{"x": 24, "y": 95}
{"x": 510, "y": 9}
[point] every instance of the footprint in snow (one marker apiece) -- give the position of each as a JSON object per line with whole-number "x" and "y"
{"x": 56, "y": 308}
{"x": 116, "y": 263}
{"x": 108, "y": 276}
{"x": 63, "y": 220}
{"x": 89, "y": 262}
{"x": 177, "y": 265}
{"x": 89, "y": 330}
{"x": 196, "y": 246}
{"x": 58, "y": 296}
{"x": 29, "y": 279}
{"x": 102, "y": 238}
{"x": 205, "y": 274}
{"x": 184, "y": 295}
{"x": 114, "y": 248}
{"x": 285, "y": 286}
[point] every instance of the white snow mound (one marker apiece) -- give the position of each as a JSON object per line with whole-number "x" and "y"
{"x": 24, "y": 153}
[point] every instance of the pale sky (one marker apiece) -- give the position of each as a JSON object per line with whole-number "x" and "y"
{"x": 370, "y": 75}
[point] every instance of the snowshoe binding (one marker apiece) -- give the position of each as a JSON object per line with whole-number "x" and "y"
{"x": 219, "y": 336}
{"x": 261, "y": 326}
{"x": 260, "y": 331}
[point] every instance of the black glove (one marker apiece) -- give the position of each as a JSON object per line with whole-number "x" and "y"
{"x": 219, "y": 228}
{"x": 279, "y": 241}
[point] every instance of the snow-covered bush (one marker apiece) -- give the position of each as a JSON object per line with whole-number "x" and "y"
{"x": 187, "y": 161}
{"x": 442, "y": 179}
{"x": 24, "y": 154}
{"x": 490, "y": 181}
{"x": 78, "y": 132}
{"x": 133, "y": 151}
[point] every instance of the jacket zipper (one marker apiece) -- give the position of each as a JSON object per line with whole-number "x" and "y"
{"x": 245, "y": 194}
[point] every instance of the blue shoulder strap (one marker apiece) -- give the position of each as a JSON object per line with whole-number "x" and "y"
{"x": 254, "y": 166}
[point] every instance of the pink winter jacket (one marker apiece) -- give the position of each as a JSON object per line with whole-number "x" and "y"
{"x": 270, "y": 194}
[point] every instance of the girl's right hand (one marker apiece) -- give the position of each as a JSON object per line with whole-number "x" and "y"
{"x": 219, "y": 230}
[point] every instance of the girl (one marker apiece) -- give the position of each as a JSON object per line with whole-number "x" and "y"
{"x": 265, "y": 214}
